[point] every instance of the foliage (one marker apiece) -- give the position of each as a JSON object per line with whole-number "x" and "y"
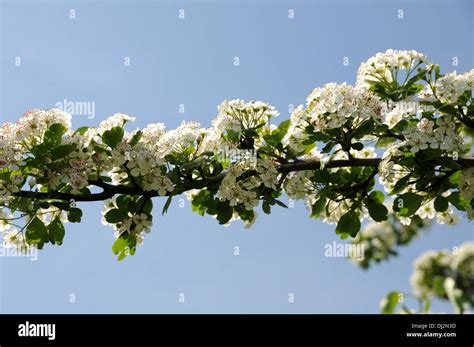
{"x": 394, "y": 149}
{"x": 439, "y": 274}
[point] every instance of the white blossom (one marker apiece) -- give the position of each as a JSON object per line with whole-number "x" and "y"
{"x": 379, "y": 67}
{"x": 332, "y": 105}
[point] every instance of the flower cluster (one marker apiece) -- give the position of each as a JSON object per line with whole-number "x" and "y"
{"x": 449, "y": 88}
{"x": 116, "y": 120}
{"x": 428, "y": 268}
{"x": 136, "y": 223}
{"x": 433, "y": 268}
{"x": 377, "y": 240}
{"x": 335, "y": 210}
{"x": 34, "y": 123}
{"x": 236, "y": 115}
{"x": 298, "y": 185}
{"x": 32, "y": 129}
{"x": 296, "y": 135}
{"x": 245, "y": 191}
{"x": 239, "y": 192}
{"x": 381, "y": 240}
{"x": 440, "y": 133}
{"x": 185, "y": 136}
{"x": 14, "y": 238}
{"x": 382, "y": 66}
{"x": 394, "y": 112}
{"x": 332, "y": 105}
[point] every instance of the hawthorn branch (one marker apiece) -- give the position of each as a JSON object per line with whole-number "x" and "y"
{"x": 104, "y": 195}
{"x": 110, "y": 190}
{"x": 316, "y": 164}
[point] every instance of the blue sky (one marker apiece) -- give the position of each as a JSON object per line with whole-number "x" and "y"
{"x": 191, "y": 62}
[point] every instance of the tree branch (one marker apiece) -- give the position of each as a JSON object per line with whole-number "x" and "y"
{"x": 110, "y": 190}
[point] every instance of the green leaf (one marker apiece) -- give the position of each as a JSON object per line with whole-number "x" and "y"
{"x": 349, "y": 224}
{"x": 378, "y": 212}
{"x": 378, "y": 196}
{"x": 113, "y": 136}
{"x": 44, "y": 204}
{"x": 81, "y": 130}
{"x": 54, "y": 134}
{"x": 122, "y": 255}
{"x": 62, "y": 151}
{"x": 389, "y": 303}
{"x": 74, "y": 215}
{"x": 358, "y": 146}
{"x": 344, "y": 236}
{"x": 195, "y": 164}
{"x": 56, "y": 231}
{"x": 105, "y": 179}
{"x": 416, "y": 77}
{"x": 123, "y": 202}
{"x": 407, "y": 162}
{"x": 266, "y": 207}
{"x": 317, "y": 136}
{"x": 197, "y": 206}
{"x": 36, "y": 233}
{"x": 413, "y": 89}
{"x": 328, "y": 147}
{"x": 449, "y": 109}
{"x": 460, "y": 203}
{"x": 379, "y": 89}
{"x": 407, "y": 204}
{"x": 446, "y": 162}
{"x": 61, "y": 205}
{"x": 401, "y": 184}
{"x": 365, "y": 128}
{"x": 465, "y": 97}
{"x": 280, "y": 203}
{"x": 211, "y": 206}
{"x": 225, "y": 213}
{"x": 441, "y": 204}
{"x": 284, "y": 126}
{"x": 249, "y": 133}
{"x": 167, "y": 204}
{"x": 233, "y": 136}
{"x": 244, "y": 214}
{"x": 206, "y": 154}
{"x": 136, "y": 138}
{"x": 119, "y": 245}
{"x": 318, "y": 207}
{"x": 384, "y": 141}
{"x": 148, "y": 207}
{"x": 278, "y": 134}
{"x": 115, "y": 215}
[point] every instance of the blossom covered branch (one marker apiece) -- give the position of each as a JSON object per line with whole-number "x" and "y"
{"x": 404, "y": 127}
{"x": 110, "y": 190}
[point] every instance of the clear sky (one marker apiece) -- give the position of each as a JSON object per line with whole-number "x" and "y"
{"x": 190, "y": 61}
